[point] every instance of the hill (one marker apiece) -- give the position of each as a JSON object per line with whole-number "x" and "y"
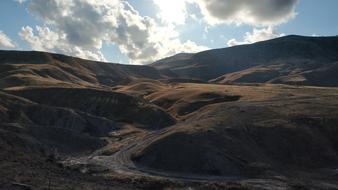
{"x": 19, "y": 68}
{"x": 286, "y": 60}
{"x": 69, "y": 123}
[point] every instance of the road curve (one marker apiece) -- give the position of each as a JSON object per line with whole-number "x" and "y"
{"x": 120, "y": 162}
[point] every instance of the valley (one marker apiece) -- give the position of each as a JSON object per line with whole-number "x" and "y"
{"x": 257, "y": 122}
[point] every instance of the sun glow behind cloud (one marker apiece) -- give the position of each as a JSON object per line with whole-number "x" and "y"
{"x": 173, "y": 11}
{"x": 144, "y": 31}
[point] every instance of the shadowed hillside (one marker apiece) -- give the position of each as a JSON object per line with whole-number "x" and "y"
{"x": 286, "y": 60}
{"x": 112, "y": 105}
{"x": 45, "y": 69}
{"x": 188, "y": 121}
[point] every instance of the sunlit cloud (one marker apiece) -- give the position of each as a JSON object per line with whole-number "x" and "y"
{"x": 256, "y": 35}
{"x": 80, "y": 27}
{"x": 173, "y": 11}
{"x": 5, "y": 41}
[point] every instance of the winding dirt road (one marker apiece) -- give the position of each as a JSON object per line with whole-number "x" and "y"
{"x": 120, "y": 162}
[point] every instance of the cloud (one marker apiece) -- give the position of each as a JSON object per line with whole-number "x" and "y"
{"x": 172, "y": 12}
{"x": 256, "y": 36}
{"x": 43, "y": 39}
{"x": 82, "y": 26}
{"x": 5, "y": 41}
{"x": 20, "y": 1}
{"x": 252, "y": 12}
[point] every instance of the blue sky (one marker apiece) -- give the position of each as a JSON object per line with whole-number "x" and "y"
{"x": 141, "y": 31}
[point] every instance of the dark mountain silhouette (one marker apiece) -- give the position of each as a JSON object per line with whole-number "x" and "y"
{"x": 287, "y": 60}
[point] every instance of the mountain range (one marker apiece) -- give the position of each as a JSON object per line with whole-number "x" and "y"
{"x": 258, "y": 116}
{"x": 287, "y": 60}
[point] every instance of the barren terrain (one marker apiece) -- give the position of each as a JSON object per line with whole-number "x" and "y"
{"x": 68, "y": 123}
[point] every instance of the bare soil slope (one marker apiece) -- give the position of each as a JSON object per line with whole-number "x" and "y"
{"x": 45, "y": 69}
{"x": 78, "y": 124}
{"x": 270, "y": 130}
{"x": 286, "y": 60}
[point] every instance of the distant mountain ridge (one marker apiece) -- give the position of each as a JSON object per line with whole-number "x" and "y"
{"x": 292, "y": 59}
{"x": 32, "y": 68}
{"x": 287, "y": 60}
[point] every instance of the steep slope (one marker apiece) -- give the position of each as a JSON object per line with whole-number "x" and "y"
{"x": 19, "y": 68}
{"x": 81, "y": 120}
{"x": 271, "y": 130}
{"x": 112, "y": 105}
{"x": 280, "y": 58}
{"x": 38, "y": 127}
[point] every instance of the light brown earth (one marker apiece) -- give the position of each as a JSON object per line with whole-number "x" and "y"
{"x": 76, "y": 131}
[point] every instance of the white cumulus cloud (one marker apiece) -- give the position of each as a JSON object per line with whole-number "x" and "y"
{"x": 256, "y": 35}
{"x": 5, "y": 41}
{"x": 43, "y": 39}
{"x": 82, "y": 26}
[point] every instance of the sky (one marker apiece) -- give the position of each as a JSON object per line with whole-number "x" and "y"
{"x": 143, "y": 31}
